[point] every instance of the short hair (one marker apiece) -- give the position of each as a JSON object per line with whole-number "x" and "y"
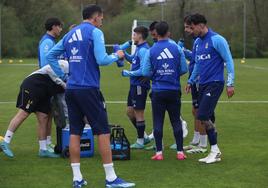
{"x": 90, "y": 10}
{"x": 198, "y": 19}
{"x": 187, "y": 19}
{"x": 52, "y": 21}
{"x": 143, "y": 31}
{"x": 161, "y": 28}
{"x": 152, "y": 25}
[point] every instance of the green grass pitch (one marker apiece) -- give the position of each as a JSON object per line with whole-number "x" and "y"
{"x": 242, "y": 127}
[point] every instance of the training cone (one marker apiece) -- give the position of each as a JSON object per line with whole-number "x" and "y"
{"x": 20, "y": 61}
{"x": 10, "y": 61}
{"x": 243, "y": 61}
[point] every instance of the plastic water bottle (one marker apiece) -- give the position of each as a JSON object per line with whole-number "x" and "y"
{"x": 120, "y": 62}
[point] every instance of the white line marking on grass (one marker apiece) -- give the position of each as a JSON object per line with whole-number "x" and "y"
{"x": 124, "y": 102}
{"x": 32, "y": 65}
{"x": 255, "y": 67}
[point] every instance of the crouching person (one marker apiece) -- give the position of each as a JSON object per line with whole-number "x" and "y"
{"x": 34, "y": 96}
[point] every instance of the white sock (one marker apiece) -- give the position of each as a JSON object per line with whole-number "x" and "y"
{"x": 215, "y": 148}
{"x": 179, "y": 152}
{"x": 8, "y": 136}
{"x": 109, "y": 172}
{"x": 196, "y": 137}
{"x": 203, "y": 141}
{"x": 43, "y": 144}
{"x": 159, "y": 152}
{"x": 77, "y": 176}
{"x": 49, "y": 140}
{"x": 140, "y": 141}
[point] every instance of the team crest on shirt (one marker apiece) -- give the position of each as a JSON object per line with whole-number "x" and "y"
{"x": 165, "y": 66}
{"x": 206, "y": 45}
{"x": 46, "y": 48}
{"x": 74, "y": 50}
{"x": 75, "y": 57}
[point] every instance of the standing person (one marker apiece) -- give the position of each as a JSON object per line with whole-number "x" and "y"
{"x": 53, "y": 28}
{"x": 84, "y": 47}
{"x": 199, "y": 141}
{"x": 34, "y": 96}
{"x": 153, "y": 34}
{"x": 211, "y": 52}
{"x": 139, "y": 87}
{"x": 163, "y": 63}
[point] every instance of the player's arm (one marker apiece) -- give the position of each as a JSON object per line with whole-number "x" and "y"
{"x": 125, "y": 46}
{"x": 221, "y": 45}
{"x": 65, "y": 68}
{"x": 128, "y": 57}
{"x": 183, "y": 64}
{"x": 44, "y": 48}
{"x": 141, "y": 55}
{"x": 52, "y": 59}
{"x": 99, "y": 49}
{"x": 188, "y": 54}
{"x": 146, "y": 65}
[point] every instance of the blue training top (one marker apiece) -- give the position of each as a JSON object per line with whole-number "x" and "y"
{"x": 85, "y": 50}
{"x": 211, "y": 51}
{"x": 135, "y": 61}
{"x": 45, "y": 44}
{"x": 163, "y": 62}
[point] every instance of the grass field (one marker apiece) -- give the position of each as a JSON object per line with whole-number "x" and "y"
{"x": 242, "y": 127}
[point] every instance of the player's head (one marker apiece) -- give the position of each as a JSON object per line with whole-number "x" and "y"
{"x": 94, "y": 14}
{"x": 153, "y": 31}
{"x": 161, "y": 29}
{"x": 198, "y": 24}
{"x": 187, "y": 25}
{"x": 54, "y": 26}
{"x": 140, "y": 34}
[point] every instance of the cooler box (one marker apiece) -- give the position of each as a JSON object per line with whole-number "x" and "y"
{"x": 86, "y": 143}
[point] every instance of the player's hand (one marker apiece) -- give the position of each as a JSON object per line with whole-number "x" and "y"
{"x": 230, "y": 91}
{"x": 120, "y": 54}
{"x": 188, "y": 88}
{"x": 125, "y": 73}
{"x": 144, "y": 79}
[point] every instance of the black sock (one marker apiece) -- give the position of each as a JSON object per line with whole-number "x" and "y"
{"x": 140, "y": 128}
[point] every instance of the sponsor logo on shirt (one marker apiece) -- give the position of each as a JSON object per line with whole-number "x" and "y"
{"x": 166, "y": 70}
{"x": 75, "y": 57}
{"x": 203, "y": 57}
{"x": 76, "y": 36}
{"x": 165, "y": 54}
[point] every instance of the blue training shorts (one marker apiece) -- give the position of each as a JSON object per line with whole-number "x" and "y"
{"x": 137, "y": 96}
{"x": 89, "y": 103}
{"x": 209, "y": 95}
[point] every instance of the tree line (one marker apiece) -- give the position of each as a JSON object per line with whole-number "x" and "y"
{"x": 22, "y": 22}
